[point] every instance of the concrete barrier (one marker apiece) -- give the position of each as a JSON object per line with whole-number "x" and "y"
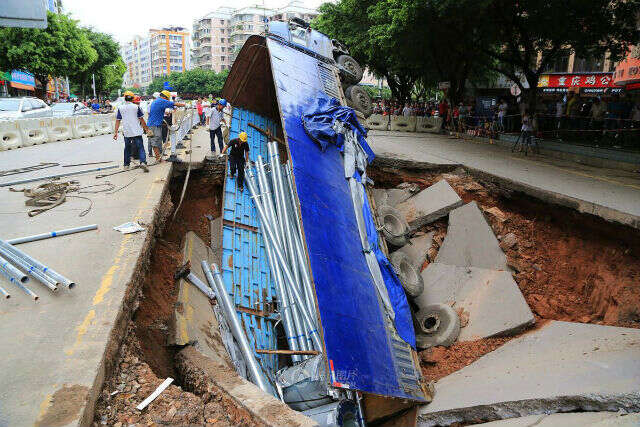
{"x": 428, "y": 124}
{"x": 10, "y": 135}
{"x": 104, "y": 124}
{"x": 59, "y": 129}
{"x": 378, "y": 122}
{"x": 84, "y": 126}
{"x": 403, "y": 124}
{"x": 34, "y": 131}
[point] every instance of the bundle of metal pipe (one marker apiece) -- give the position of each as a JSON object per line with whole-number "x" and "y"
{"x": 273, "y": 196}
{"x": 12, "y": 258}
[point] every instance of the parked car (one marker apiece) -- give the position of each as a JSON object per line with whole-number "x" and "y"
{"x": 70, "y": 109}
{"x": 23, "y": 108}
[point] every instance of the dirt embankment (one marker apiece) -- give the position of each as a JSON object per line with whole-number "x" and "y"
{"x": 145, "y": 359}
{"x": 569, "y": 266}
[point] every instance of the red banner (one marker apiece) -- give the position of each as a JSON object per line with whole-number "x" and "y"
{"x": 576, "y": 80}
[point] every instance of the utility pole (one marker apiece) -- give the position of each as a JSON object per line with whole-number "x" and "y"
{"x": 93, "y": 85}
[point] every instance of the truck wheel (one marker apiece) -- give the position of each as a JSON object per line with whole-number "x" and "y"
{"x": 436, "y": 324}
{"x": 360, "y": 100}
{"x": 411, "y": 280}
{"x": 352, "y": 66}
{"x": 394, "y": 226}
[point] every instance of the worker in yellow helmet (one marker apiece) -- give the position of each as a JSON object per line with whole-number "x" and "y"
{"x": 238, "y": 155}
{"x": 156, "y": 117}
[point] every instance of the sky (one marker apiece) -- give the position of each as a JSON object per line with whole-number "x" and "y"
{"x": 126, "y": 18}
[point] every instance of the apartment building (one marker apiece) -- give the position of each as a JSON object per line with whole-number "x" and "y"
{"x": 162, "y": 52}
{"x": 211, "y": 40}
{"x": 219, "y": 36}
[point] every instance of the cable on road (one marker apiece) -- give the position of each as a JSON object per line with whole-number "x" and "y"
{"x": 86, "y": 164}
{"x": 33, "y": 168}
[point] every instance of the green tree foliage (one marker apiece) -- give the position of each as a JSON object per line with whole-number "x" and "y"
{"x": 58, "y": 50}
{"x": 106, "y": 66}
{"x": 197, "y": 82}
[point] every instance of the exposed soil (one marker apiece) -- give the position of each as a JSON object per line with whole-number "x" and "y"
{"x": 569, "y": 266}
{"x": 145, "y": 359}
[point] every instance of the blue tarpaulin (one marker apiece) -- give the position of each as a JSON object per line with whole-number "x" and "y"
{"x": 318, "y": 122}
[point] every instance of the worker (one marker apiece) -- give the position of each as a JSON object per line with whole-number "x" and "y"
{"x": 133, "y": 125}
{"x": 215, "y": 118}
{"x": 156, "y": 116}
{"x": 238, "y": 155}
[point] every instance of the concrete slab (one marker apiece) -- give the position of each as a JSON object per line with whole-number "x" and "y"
{"x": 579, "y": 419}
{"x": 194, "y": 320}
{"x": 417, "y": 249}
{"x": 430, "y": 204}
{"x": 57, "y": 350}
{"x": 561, "y": 367}
{"x": 491, "y": 299}
{"x": 470, "y": 241}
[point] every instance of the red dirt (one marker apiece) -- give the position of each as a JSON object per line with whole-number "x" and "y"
{"x": 569, "y": 266}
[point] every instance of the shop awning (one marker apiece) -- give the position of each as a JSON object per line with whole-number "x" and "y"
{"x": 22, "y": 86}
{"x": 627, "y": 73}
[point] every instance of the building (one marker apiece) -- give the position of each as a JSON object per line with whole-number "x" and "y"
{"x": 219, "y": 35}
{"x": 162, "y": 52}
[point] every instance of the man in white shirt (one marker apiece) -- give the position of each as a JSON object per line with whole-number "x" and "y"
{"x": 406, "y": 111}
{"x": 215, "y": 118}
{"x": 133, "y": 125}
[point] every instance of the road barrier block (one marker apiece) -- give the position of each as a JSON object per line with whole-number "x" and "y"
{"x": 378, "y": 122}
{"x": 10, "y": 135}
{"x": 34, "y": 131}
{"x": 84, "y": 126}
{"x": 59, "y": 129}
{"x": 103, "y": 124}
{"x": 429, "y": 124}
{"x": 403, "y": 124}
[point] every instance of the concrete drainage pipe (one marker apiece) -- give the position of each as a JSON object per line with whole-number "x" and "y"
{"x": 436, "y": 324}
{"x": 394, "y": 226}
{"x": 409, "y": 276}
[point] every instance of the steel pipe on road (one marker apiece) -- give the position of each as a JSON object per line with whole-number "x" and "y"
{"x": 49, "y": 272}
{"x": 51, "y": 234}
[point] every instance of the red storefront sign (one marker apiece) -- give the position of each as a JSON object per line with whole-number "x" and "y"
{"x": 595, "y": 80}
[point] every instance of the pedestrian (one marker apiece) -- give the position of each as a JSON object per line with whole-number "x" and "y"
{"x": 502, "y": 112}
{"x": 214, "y": 121}
{"x": 238, "y": 155}
{"x": 406, "y": 111}
{"x": 133, "y": 125}
{"x": 200, "y": 111}
{"x": 95, "y": 105}
{"x": 156, "y": 116}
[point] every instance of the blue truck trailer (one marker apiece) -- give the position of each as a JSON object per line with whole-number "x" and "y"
{"x": 352, "y": 344}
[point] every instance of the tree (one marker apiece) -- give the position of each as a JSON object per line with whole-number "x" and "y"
{"x": 58, "y": 50}
{"x": 106, "y": 66}
{"x": 525, "y": 37}
{"x": 195, "y": 82}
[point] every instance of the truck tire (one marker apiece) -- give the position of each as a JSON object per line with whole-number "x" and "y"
{"x": 394, "y": 226}
{"x": 359, "y": 99}
{"x": 410, "y": 277}
{"x": 436, "y": 324}
{"x": 352, "y": 66}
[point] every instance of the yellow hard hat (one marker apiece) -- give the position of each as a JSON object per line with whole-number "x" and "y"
{"x": 166, "y": 93}
{"x": 243, "y": 136}
{"x": 128, "y": 93}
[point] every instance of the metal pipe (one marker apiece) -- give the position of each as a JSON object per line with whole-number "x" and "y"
{"x": 24, "y": 181}
{"x": 285, "y": 307}
{"x": 4, "y": 292}
{"x": 12, "y": 271}
{"x": 236, "y": 328}
{"x": 30, "y": 269}
{"x": 51, "y": 234}
{"x": 287, "y": 272}
{"x": 49, "y": 272}
{"x": 200, "y": 285}
{"x": 20, "y": 285}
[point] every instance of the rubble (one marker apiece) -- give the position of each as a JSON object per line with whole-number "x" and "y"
{"x": 561, "y": 367}
{"x": 417, "y": 248}
{"x": 580, "y": 419}
{"x": 430, "y": 204}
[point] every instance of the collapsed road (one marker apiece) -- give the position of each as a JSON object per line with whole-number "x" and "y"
{"x": 131, "y": 325}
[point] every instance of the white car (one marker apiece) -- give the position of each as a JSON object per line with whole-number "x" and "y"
{"x": 23, "y": 108}
{"x": 70, "y": 109}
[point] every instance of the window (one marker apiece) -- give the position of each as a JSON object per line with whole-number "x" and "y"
{"x": 560, "y": 64}
{"x": 588, "y": 64}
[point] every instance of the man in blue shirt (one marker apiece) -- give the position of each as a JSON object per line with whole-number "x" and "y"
{"x": 154, "y": 122}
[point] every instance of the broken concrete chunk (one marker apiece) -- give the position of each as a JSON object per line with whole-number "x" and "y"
{"x": 417, "y": 249}
{"x": 430, "y": 204}
{"x": 491, "y": 299}
{"x": 561, "y": 367}
{"x": 496, "y": 214}
{"x": 580, "y": 419}
{"x": 412, "y": 187}
{"x": 470, "y": 242}
{"x": 509, "y": 241}
{"x": 391, "y": 197}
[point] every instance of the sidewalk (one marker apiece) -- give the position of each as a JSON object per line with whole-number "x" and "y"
{"x": 614, "y": 195}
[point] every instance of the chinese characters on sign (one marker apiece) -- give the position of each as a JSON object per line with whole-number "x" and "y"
{"x": 595, "y": 80}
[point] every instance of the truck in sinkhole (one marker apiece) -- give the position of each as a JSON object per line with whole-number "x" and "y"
{"x": 365, "y": 368}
